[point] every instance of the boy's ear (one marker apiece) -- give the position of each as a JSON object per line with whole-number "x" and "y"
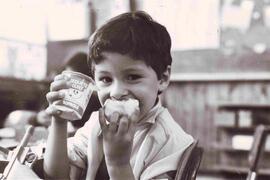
{"x": 165, "y": 79}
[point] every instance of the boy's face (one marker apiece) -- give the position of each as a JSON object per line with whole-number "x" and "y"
{"x": 120, "y": 77}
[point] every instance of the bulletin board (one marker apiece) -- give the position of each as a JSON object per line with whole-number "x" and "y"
{"x": 243, "y": 46}
{"x": 222, "y": 36}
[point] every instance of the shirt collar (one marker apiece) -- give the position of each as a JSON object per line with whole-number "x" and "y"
{"x": 150, "y": 117}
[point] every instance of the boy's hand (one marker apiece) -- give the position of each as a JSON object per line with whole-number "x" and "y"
{"x": 117, "y": 137}
{"x": 60, "y": 82}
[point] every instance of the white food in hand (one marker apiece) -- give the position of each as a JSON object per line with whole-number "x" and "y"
{"x": 124, "y": 107}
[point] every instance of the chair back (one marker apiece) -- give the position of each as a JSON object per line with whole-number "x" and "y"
{"x": 189, "y": 162}
{"x": 257, "y": 150}
{"x": 22, "y": 170}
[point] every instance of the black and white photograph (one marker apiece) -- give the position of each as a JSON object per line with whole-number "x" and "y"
{"x": 134, "y": 89}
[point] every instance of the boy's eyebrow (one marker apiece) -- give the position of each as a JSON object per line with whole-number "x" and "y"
{"x": 102, "y": 71}
{"x": 125, "y": 70}
{"x": 128, "y": 70}
{"x": 133, "y": 68}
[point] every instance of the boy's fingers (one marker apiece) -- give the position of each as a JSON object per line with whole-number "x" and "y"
{"x": 53, "y": 111}
{"x": 123, "y": 125}
{"x": 102, "y": 120}
{"x": 59, "y": 84}
{"x": 53, "y": 96}
{"x": 134, "y": 118}
{"x": 59, "y": 77}
{"x": 114, "y": 119}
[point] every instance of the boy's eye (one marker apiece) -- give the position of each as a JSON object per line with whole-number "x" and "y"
{"x": 105, "y": 80}
{"x": 133, "y": 77}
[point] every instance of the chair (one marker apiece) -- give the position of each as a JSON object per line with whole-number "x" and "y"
{"x": 189, "y": 163}
{"x": 256, "y": 151}
{"x": 19, "y": 163}
{"x": 26, "y": 172}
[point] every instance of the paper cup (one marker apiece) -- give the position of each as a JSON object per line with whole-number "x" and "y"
{"x": 76, "y": 97}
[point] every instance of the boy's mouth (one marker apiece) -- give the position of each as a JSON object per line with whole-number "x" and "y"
{"x": 124, "y": 107}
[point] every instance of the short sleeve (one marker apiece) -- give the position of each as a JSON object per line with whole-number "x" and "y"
{"x": 78, "y": 144}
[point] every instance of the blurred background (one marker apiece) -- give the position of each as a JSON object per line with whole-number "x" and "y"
{"x": 220, "y": 75}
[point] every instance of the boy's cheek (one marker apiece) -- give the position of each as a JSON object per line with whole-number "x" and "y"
{"x": 102, "y": 96}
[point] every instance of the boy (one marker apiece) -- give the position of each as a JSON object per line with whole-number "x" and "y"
{"x": 130, "y": 57}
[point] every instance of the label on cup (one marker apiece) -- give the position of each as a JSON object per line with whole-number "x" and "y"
{"x": 76, "y": 97}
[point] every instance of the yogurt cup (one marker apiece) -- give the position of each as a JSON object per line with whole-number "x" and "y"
{"x": 76, "y": 97}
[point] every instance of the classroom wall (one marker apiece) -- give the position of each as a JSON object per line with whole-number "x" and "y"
{"x": 194, "y": 104}
{"x": 59, "y": 51}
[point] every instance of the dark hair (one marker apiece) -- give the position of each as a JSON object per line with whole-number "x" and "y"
{"x": 135, "y": 34}
{"x": 78, "y": 62}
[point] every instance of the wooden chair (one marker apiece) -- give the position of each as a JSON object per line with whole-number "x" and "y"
{"x": 256, "y": 151}
{"x": 189, "y": 163}
{"x": 24, "y": 171}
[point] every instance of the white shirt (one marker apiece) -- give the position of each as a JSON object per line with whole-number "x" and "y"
{"x": 157, "y": 146}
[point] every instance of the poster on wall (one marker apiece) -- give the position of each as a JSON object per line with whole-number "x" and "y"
{"x": 237, "y": 16}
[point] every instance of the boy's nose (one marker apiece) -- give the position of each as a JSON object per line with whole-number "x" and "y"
{"x": 118, "y": 91}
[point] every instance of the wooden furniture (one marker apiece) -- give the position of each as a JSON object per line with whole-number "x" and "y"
{"x": 240, "y": 157}
{"x": 189, "y": 163}
{"x": 20, "y": 164}
{"x": 257, "y": 151}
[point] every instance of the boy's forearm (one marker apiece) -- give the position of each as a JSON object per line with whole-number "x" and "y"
{"x": 56, "y": 164}
{"x": 123, "y": 172}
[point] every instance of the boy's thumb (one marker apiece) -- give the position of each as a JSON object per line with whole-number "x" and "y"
{"x": 135, "y": 116}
